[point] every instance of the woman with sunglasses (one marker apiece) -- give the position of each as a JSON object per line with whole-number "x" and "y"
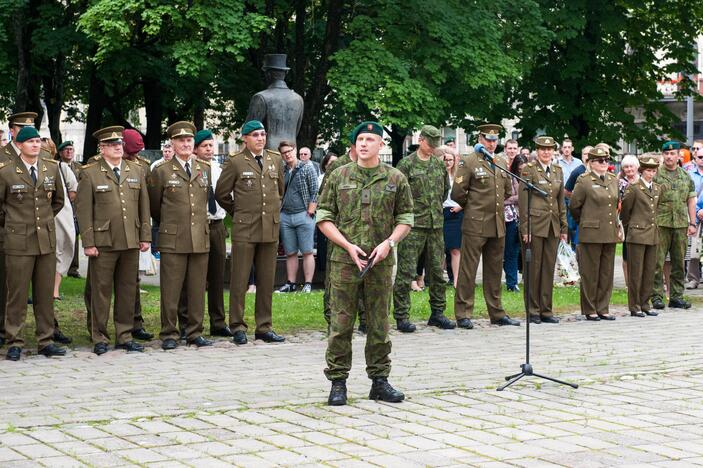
{"x": 594, "y": 204}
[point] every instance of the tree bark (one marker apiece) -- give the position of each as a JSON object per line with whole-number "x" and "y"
{"x": 54, "y": 96}
{"x": 154, "y": 113}
{"x": 397, "y": 140}
{"x": 27, "y": 95}
{"x": 97, "y": 101}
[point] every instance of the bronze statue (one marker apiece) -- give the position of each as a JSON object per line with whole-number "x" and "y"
{"x": 278, "y": 107}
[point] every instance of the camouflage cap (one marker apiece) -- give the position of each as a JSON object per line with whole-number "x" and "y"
{"x": 490, "y": 131}
{"x": 671, "y": 145}
{"x": 181, "y": 129}
{"x": 27, "y": 133}
{"x": 545, "y": 142}
{"x": 648, "y": 161}
{"x": 431, "y": 134}
{"x": 22, "y": 119}
{"x": 109, "y": 134}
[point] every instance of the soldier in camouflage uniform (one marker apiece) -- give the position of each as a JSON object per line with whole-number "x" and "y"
{"x": 365, "y": 209}
{"x": 676, "y": 212}
{"x": 429, "y": 182}
{"x": 334, "y": 165}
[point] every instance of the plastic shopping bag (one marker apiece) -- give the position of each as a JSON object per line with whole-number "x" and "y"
{"x": 567, "y": 266}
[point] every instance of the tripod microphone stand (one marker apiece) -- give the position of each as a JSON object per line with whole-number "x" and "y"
{"x": 526, "y": 368}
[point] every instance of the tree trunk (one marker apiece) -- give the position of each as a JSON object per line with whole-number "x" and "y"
{"x": 154, "y": 113}
{"x": 97, "y": 101}
{"x": 299, "y": 62}
{"x": 397, "y": 140}
{"x": 54, "y": 96}
{"x": 27, "y": 98}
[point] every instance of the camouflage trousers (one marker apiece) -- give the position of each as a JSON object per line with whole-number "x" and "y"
{"x": 346, "y": 291}
{"x": 673, "y": 241}
{"x": 326, "y": 295}
{"x": 431, "y": 241}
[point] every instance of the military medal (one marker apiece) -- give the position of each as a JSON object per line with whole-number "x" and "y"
{"x": 249, "y": 183}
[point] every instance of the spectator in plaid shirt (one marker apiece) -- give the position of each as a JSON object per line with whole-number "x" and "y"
{"x": 298, "y": 217}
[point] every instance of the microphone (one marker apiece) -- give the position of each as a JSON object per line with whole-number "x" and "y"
{"x": 479, "y": 148}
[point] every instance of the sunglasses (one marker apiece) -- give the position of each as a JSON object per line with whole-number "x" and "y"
{"x": 599, "y": 160}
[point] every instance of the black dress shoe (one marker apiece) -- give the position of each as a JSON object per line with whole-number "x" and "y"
{"x": 362, "y": 328}
{"x": 269, "y": 337}
{"x": 651, "y": 313}
{"x": 169, "y": 343}
{"x": 679, "y": 304}
{"x": 14, "y": 353}
{"x": 404, "y": 326}
{"x": 73, "y": 274}
{"x": 465, "y": 323}
{"x": 338, "y": 393}
{"x": 61, "y": 338}
{"x": 606, "y": 317}
{"x": 2, "y": 341}
{"x": 657, "y": 303}
{"x": 141, "y": 334}
{"x": 131, "y": 347}
{"x": 52, "y": 350}
{"x": 535, "y": 319}
{"x": 382, "y": 390}
{"x": 593, "y": 318}
{"x": 550, "y": 319}
{"x": 440, "y": 321}
{"x": 100, "y": 348}
{"x": 200, "y": 342}
{"x": 221, "y": 331}
{"x": 240, "y": 338}
{"x": 506, "y": 321}
{"x": 637, "y": 314}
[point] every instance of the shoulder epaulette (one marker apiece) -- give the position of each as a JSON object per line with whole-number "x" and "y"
{"x": 2, "y": 164}
{"x": 89, "y": 165}
{"x": 530, "y": 164}
{"x": 160, "y": 163}
{"x": 273, "y": 151}
{"x": 201, "y": 161}
{"x": 50, "y": 160}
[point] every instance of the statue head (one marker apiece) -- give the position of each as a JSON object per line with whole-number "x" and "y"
{"x": 275, "y": 67}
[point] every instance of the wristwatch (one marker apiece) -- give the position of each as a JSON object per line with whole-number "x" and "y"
{"x": 391, "y": 242}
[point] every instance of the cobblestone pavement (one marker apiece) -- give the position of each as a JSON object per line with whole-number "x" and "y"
{"x": 640, "y": 402}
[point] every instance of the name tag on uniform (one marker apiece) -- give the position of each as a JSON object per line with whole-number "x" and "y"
{"x": 347, "y": 186}
{"x": 247, "y": 173}
{"x": 101, "y": 188}
{"x": 595, "y": 186}
{"x": 542, "y": 182}
{"x": 18, "y": 187}
{"x": 366, "y": 196}
{"x": 133, "y": 181}
{"x": 173, "y": 182}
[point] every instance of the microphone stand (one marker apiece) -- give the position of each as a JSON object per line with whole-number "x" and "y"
{"x": 526, "y": 368}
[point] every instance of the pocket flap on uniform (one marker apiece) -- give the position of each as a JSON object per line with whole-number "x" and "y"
{"x": 104, "y": 226}
{"x": 590, "y": 223}
{"x": 241, "y": 218}
{"x": 50, "y": 226}
{"x": 168, "y": 228}
{"x": 19, "y": 229}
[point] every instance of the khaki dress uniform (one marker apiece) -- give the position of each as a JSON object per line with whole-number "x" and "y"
{"x": 481, "y": 190}
{"x": 113, "y": 215}
{"x": 252, "y": 195}
{"x": 594, "y": 204}
{"x": 4, "y": 158}
{"x": 548, "y": 219}
{"x": 638, "y": 214}
{"x": 30, "y": 243}
{"x": 179, "y": 204}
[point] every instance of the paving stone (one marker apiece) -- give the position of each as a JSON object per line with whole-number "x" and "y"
{"x": 61, "y": 461}
{"x": 7, "y": 454}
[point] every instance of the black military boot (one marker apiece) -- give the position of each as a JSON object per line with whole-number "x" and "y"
{"x": 382, "y": 390}
{"x": 405, "y": 326}
{"x": 338, "y": 393}
{"x": 439, "y": 320}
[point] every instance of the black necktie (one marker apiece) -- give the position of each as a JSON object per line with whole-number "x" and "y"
{"x": 602, "y": 178}
{"x": 33, "y": 172}
{"x": 116, "y": 170}
{"x": 188, "y": 170}
{"x": 211, "y": 207}
{"x": 259, "y": 162}
{"x": 547, "y": 170}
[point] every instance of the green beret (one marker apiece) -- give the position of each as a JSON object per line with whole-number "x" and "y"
{"x": 671, "y": 145}
{"x": 64, "y": 144}
{"x": 250, "y": 126}
{"x": 27, "y": 133}
{"x": 431, "y": 134}
{"x": 203, "y": 135}
{"x": 352, "y": 135}
{"x": 368, "y": 127}
{"x": 449, "y": 140}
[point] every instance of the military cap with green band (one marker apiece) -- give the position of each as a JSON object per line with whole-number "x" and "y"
{"x": 203, "y": 135}
{"x": 22, "y": 119}
{"x": 109, "y": 134}
{"x": 181, "y": 129}
{"x": 368, "y": 127}
{"x": 27, "y": 133}
{"x": 251, "y": 126}
{"x": 490, "y": 131}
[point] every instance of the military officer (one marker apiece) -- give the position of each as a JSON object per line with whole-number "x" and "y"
{"x": 250, "y": 189}
{"x": 31, "y": 194}
{"x": 178, "y": 195}
{"x": 67, "y": 154}
{"x": 350, "y": 156}
{"x": 548, "y": 222}
{"x": 593, "y": 205}
{"x": 365, "y": 209}
{"x": 480, "y": 188}
{"x": 676, "y": 218}
{"x": 638, "y": 214}
{"x": 429, "y": 183}
{"x": 204, "y": 151}
{"x": 113, "y": 213}
{"x": 17, "y": 122}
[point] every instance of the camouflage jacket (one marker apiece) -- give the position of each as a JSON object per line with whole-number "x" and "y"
{"x": 365, "y": 205}
{"x": 430, "y": 185}
{"x": 677, "y": 187}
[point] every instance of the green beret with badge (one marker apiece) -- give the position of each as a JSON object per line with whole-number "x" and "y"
{"x": 251, "y": 126}
{"x": 65, "y": 144}
{"x": 181, "y": 129}
{"x": 368, "y": 127}
{"x": 27, "y": 133}
{"x": 671, "y": 145}
{"x": 22, "y": 119}
{"x": 431, "y": 134}
{"x": 449, "y": 140}
{"x": 203, "y": 135}
{"x": 111, "y": 134}
{"x": 490, "y": 132}
{"x": 545, "y": 142}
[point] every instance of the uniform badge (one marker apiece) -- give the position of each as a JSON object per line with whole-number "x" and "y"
{"x": 461, "y": 163}
{"x": 459, "y": 179}
{"x": 49, "y": 194}
{"x": 18, "y": 170}
{"x": 271, "y": 168}
{"x": 173, "y": 176}
{"x": 250, "y": 184}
